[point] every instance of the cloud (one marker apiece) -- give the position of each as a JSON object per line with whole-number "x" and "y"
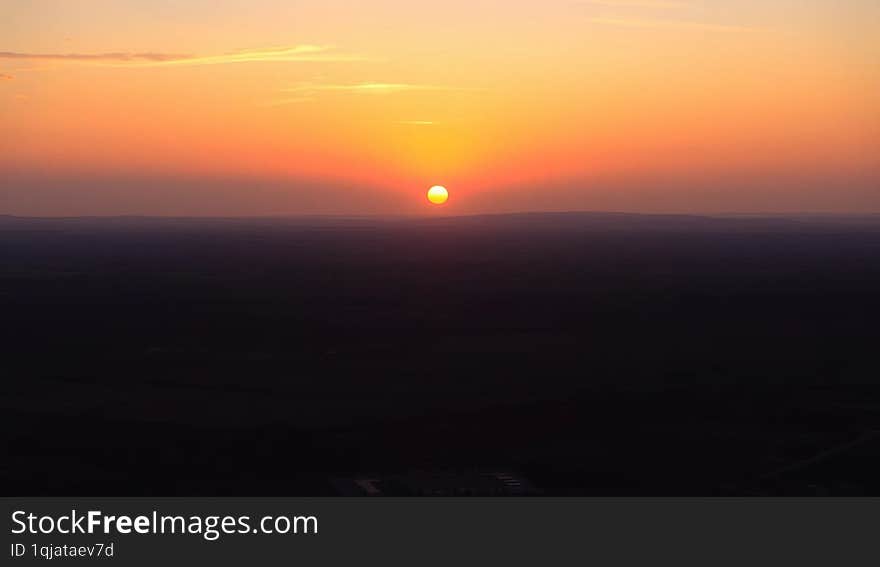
{"x": 627, "y": 7}
{"x": 416, "y": 122}
{"x": 92, "y": 57}
{"x": 671, "y": 24}
{"x": 306, "y": 92}
{"x": 5, "y": 77}
{"x": 277, "y": 54}
{"x": 370, "y": 88}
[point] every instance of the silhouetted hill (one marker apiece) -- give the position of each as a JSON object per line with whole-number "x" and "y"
{"x": 592, "y": 353}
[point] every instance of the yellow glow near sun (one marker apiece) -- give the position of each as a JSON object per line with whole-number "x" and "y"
{"x": 438, "y": 194}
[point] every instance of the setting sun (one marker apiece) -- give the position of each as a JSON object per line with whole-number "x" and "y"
{"x": 438, "y": 194}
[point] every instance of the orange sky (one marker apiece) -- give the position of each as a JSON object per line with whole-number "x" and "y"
{"x": 192, "y": 107}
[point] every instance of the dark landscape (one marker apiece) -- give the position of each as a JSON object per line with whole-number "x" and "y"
{"x": 584, "y": 353}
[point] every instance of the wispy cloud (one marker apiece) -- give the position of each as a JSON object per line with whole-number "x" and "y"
{"x": 370, "y": 88}
{"x": 672, "y": 24}
{"x": 277, "y": 54}
{"x": 367, "y": 88}
{"x": 5, "y": 77}
{"x": 622, "y": 13}
{"x": 416, "y": 122}
{"x": 306, "y": 92}
{"x": 93, "y": 57}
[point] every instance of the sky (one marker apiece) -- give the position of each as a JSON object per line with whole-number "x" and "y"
{"x": 271, "y": 107}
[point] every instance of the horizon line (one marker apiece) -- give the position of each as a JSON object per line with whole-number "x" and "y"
{"x": 435, "y": 216}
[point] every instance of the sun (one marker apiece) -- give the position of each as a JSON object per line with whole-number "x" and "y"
{"x": 438, "y": 194}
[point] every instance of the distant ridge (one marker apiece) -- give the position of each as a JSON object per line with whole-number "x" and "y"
{"x": 543, "y": 221}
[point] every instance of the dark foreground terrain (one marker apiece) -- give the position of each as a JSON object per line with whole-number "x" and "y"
{"x": 594, "y": 354}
